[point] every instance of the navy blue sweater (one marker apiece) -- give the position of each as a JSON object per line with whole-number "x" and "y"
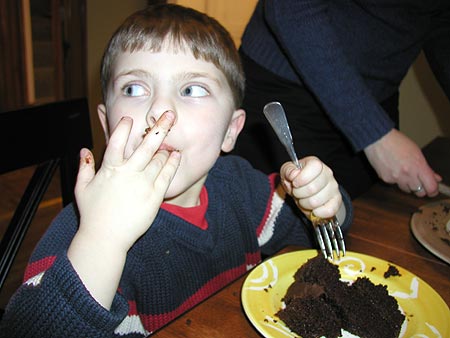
{"x": 174, "y": 266}
{"x": 352, "y": 54}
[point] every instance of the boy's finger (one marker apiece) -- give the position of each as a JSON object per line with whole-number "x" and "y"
{"x": 152, "y": 141}
{"x": 330, "y": 208}
{"x": 86, "y": 170}
{"x": 167, "y": 172}
{"x": 312, "y": 168}
{"x": 117, "y": 142}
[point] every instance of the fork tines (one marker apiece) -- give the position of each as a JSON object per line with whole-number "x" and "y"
{"x": 329, "y": 236}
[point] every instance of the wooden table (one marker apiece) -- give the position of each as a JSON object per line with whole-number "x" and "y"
{"x": 380, "y": 229}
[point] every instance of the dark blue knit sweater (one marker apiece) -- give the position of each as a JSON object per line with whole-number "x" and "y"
{"x": 352, "y": 54}
{"x": 174, "y": 266}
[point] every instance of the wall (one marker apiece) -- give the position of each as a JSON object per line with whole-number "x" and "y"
{"x": 103, "y": 17}
{"x": 233, "y": 14}
{"x": 424, "y": 108}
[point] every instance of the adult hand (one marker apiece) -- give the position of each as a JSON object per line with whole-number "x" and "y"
{"x": 398, "y": 160}
{"x": 313, "y": 187}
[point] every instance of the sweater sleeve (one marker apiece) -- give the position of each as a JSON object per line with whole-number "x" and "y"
{"x": 52, "y": 301}
{"x": 276, "y": 219}
{"x": 304, "y": 32}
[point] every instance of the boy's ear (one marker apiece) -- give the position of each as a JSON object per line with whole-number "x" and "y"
{"x": 101, "y": 111}
{"x": 234, "y": 128}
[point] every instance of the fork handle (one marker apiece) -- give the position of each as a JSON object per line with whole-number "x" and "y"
{"x": 313, "y": 218}
{"x": 292, "y": 155}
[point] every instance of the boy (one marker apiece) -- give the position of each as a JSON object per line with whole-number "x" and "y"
{"x": 166, "y": 221}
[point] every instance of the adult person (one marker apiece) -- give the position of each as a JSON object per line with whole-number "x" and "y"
{"x": 336, "y": 67}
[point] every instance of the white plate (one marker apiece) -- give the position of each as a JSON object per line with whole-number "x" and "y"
{"x": 428, "y": 225}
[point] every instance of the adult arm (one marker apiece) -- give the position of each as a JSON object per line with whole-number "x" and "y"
{"x": 395, "y": 157}
{"x": 307, "y": 36}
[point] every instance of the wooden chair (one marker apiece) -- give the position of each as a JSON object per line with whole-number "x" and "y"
{"x": 47, "y": 137}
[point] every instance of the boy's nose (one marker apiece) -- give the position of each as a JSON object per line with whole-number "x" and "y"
{"x": 151, "y": 118}
{"x": 160, "y": 104}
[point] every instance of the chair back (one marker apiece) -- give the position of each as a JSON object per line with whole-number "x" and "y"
{"x": 49, "y": 137}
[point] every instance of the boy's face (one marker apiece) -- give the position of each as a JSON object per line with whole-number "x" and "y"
{"x": 146, "y": 84}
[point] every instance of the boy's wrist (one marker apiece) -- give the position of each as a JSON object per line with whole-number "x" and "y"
{"x": 99, "y": 265}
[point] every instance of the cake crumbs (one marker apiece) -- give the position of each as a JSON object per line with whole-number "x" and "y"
{"x": 268, "y": 287}
{"x": 391, "y": 271}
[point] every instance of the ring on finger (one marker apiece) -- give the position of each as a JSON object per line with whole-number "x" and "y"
{"x": 418, "y": 189}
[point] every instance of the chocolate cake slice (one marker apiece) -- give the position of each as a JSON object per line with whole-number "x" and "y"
{"x": 372, "y": 312}
{"x": 319, "y": 304}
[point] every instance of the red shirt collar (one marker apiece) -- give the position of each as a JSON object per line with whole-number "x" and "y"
{"x": 194, "y": 215}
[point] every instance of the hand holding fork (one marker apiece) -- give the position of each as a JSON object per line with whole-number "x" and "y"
{"x": 327, "y": 230}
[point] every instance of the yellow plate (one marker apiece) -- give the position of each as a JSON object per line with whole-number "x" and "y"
{"x": 427, "y": 315}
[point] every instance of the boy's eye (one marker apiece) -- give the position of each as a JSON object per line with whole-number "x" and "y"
{"x": 134, "y": 90}
{"x": 194, "y": 91}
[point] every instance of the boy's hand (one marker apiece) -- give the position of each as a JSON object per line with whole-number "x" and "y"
{"x": 118, "y": 204}
{"x": 313, "y": 187}
{"x": 121, "y": 200}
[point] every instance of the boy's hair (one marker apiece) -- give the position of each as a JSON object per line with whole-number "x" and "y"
{"x": 182, "y": 28}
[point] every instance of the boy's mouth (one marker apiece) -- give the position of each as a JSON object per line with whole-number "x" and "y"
{"x": 163, "y": 146}
{"x": 166, "y": 147}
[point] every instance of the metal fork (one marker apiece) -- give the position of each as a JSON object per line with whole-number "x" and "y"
{"x": 327, "y": 230}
